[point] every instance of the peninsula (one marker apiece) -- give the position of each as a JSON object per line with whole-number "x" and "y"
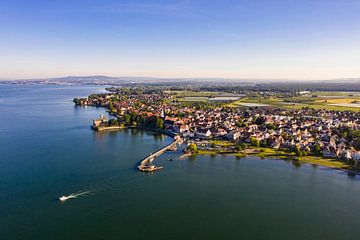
{"x": 238, "y": 123}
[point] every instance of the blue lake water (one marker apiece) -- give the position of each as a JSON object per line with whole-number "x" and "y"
{"x": 47, "y": 149}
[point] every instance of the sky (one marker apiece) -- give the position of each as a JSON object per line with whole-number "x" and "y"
{"x": 284, "y": 39}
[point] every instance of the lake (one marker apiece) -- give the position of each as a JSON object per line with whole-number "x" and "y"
{"x": 47, "y": 150}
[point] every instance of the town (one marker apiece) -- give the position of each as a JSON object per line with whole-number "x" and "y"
{"x": 216, "y": 128}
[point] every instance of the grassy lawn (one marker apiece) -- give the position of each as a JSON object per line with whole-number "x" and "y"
{"x": 222, "y": 143}
{"x": 204, "y": 152}
{"x": 326, "y": 162}
{"x": 279, "y": 154}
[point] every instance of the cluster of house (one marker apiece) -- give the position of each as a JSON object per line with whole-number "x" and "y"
{"x": 307, "y": 129}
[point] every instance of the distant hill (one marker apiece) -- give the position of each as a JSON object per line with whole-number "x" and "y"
{"x": 345, "y": 84}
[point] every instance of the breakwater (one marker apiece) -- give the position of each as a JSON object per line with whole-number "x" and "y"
{"x": 146, "y": 164}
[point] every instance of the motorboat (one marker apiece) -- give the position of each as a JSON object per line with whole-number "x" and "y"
{"x": 64, "y": 198}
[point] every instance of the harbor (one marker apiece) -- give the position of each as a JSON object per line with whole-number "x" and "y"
{"x": 146, "y": 165}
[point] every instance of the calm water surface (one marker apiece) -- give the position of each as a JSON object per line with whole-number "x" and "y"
{"x": 47, "y": 150}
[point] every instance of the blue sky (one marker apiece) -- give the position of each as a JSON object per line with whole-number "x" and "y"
{"x": 308, "y": 39}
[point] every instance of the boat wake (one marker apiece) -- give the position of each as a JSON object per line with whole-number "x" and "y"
{"x": 117, "y": 182}
{"x": 72, "y": 196}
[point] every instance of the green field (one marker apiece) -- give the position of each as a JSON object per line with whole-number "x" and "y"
{"x": 339, "y": 101}
{"x": 335, "y": 102}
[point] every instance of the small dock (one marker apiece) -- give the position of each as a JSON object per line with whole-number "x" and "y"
{"x": 146, "y": 164}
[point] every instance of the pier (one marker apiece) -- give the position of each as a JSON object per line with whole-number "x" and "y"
{"x": 146, "y": 164}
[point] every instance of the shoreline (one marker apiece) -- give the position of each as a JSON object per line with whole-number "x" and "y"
{"x": 280, "y": 155}
{"x": 114, "y": 128}
{"x": 145, "y": 164}
{"x": 261, "y": 153}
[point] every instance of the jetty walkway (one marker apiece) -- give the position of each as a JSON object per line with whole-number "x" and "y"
{"x": 146, "y": 164}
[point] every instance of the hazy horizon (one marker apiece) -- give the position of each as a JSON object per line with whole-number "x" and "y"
{"x": 107, "y": 77}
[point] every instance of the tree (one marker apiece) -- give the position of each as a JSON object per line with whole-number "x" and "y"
{"x": 159, "y": 124}
{"x": 113, "y": 122}
{"x": 254, "y": 142}
{"x": 260, "y": 120}
{"x": 345, "y": 132}
{"x": 126, "y": 119}
{"x": 317, "y": 149}
{"x": 241, "y": 124}
{"x": 247, "y": 114}
{"x": 192, "y": 148}
{"x": 238, "y": 147}
{"x": 155, "y": 122}
{"x": 263, "y": 143}
{"x": 111, "y": 106}
{"x": 298, "y": 151}
{"x": 356, "y": 143}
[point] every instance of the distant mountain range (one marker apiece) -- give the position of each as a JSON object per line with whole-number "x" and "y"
{"x": 106, "y": 80}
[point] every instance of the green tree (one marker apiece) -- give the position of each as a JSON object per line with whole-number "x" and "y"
{"x": 113, "y": 122}
{"x": 270, "y": 126}
{"x": 126, "y": 119}
{"x": 241, "y": 124}
{"x": 355, "y": 138}
{"x": 317, "y": 149}
{"x": 298, "y": 151}
{"x": 192, "y": 148}
{"x": 356, "y": 143}
{"x": 159, "y": 124}
{"x": 238, "y": 147}
{"x": 111, "y": 106}
{"x": 260, "y": 120}
{"x": 254, "y": 142}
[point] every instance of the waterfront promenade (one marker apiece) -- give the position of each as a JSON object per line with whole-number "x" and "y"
{"x": 146, "y": 164}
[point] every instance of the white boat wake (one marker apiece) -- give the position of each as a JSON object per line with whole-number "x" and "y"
{"x": 113, "y": 183}
{"x": 71, "y": 196}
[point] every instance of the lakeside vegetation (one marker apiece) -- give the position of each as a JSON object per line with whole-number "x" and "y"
{"x": 264, "y": 153}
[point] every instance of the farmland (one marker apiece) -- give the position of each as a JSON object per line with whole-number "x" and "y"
{"x": 338, "y": 101}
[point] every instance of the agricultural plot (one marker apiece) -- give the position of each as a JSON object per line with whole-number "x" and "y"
{"x": 193, "y": 99}
{"x": 249, "y": 104}
{"x": 339, "y": 101}
{"x": 222, "y": 99}
{"x": 211, "y": 97}
{"x": 350, "y": 105}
